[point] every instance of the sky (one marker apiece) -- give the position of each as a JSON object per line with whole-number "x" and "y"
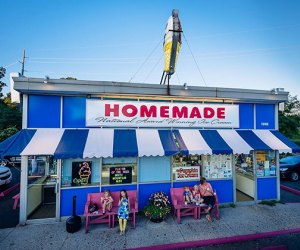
{"x": 251, "y": 44}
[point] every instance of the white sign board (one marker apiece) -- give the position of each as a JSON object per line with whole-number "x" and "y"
{"x": 187, "y": 173}
{"x": 102, "y": 113}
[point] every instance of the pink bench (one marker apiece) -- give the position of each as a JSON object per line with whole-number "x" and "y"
{"x": 180, "y": 209}
{"x": 17, "y": 201}
{"x": 108, "y": 217}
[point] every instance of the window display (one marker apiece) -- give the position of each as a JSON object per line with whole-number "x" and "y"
{"x": 265, "y": 163}
{"x": 80, "y": 172}
{"x": 186, "y": 167}
{"x": 119, "y": 171}
{"x": 217, "y": 166}
{"x": 244, "y": 165}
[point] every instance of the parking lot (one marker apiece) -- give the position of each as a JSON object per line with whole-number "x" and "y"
{"x": 9, "y": 216}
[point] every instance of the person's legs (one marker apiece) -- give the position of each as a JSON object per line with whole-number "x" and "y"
{"x": 124, "y": 225}
{"x": 121, "y": 225}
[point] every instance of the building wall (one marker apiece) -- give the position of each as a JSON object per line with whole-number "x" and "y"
{"x": 44, "y": 112}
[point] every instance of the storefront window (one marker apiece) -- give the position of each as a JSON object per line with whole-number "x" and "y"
{"x": 244, "y": 165}
{"x": 116, "y": 171}
{"x": 186, "y": 168}
{"x": 80, "y": 172}
{"x": 217, "y": 166}
{"x": 265, "y": 163}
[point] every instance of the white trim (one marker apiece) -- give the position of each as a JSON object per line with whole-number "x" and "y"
{"x": 25, "y": 111}
{"x": 23, "y": 190}
{"x": 254, "y": 175}
{"x": 58, "y": 183}
{"x": 277, "y": 174}
{"x": 276, "y": 116}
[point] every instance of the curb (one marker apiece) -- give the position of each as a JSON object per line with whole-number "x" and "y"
{"x": 219, "y": 241}
{"x": 292, "y": 190}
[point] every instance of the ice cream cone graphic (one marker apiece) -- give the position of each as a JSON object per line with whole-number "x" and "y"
{"x": 84, "y": 173}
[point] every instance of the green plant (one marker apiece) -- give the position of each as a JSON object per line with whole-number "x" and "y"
{"x": 158, "y": 206}
{"x": 268, "y": 202}
{"x": 232, "y": 205}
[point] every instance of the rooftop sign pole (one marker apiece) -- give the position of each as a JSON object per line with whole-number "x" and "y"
{"x": 172, "y": 43}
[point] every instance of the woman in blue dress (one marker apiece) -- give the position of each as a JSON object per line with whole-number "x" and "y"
{"x": 123, "y": 211}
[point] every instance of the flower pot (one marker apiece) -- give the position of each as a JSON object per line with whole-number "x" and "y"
{"x": 156, "y": 219}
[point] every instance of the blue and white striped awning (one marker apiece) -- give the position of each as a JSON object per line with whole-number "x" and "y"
{"x": 96, "y": 143}
{"x": 90, "y": 143}
{"x": 199, "y": 142}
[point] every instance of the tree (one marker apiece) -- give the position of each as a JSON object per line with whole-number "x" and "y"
{"x": 289, "y": 119}
{"x": 10, "y": 115}
{"x": 2, "y": 84}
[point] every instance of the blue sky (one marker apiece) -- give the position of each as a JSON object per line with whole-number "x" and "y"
{"x": 241, "y": 44}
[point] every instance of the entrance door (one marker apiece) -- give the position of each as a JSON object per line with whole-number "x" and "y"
{"x": 245, "y": 180}
{"x": 42, "y": 188}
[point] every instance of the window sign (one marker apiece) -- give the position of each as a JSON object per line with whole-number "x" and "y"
{"x": 187, "y": 173}
{"x": 120, "y": 175}
{"x": 81, "y": 173}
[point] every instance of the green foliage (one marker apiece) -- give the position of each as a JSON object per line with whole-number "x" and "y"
{"x": 2, "y": 84}
{"x": 232, "y": 205}
{"x": 5, "y": 133}
{"x": 289, "y": 119}
{"x": 158, "y": 206}
{"x": 271, "y": 203}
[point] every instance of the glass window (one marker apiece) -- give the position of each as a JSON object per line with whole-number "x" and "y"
{"x": 244, "y": 165}
{"x": 80, "y": 172}
{"x": 265, "y": 163}
{"x": 186, "y": 167}
{"x": 117, "y": 171}
{"x": 217, "y": 166}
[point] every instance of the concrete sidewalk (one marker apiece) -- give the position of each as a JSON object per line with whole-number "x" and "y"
{"x": 241, "y": 220}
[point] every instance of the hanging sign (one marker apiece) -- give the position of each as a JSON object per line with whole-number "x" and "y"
{"x": 81, "y": 173}
{"x": 102, "y": 113}
{"x": 120, "y": 175}
{"x": 187, "y": 173}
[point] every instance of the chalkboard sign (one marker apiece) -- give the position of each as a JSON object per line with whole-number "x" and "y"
{"x": 81, "y": 173}
{"x": 120, "y": 175}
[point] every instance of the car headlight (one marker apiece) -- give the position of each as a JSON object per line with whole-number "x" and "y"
{"x": 283, "y": 169}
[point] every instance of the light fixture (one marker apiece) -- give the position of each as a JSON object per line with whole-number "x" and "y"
{"x": 185, "y": 86}
{"x": 46, "y": 80}
{"x": 276, "y": 91}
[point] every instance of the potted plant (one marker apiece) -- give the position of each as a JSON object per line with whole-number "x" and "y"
{"x": 158, "y": 207}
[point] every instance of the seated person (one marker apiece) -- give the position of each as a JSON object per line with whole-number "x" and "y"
{"x": 197, "y": 196}
{"x": 187, "y": 195}
{"x": 106, "y": 201}
{"x": 208, "y": 196}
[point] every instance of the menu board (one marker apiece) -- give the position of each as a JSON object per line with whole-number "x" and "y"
{"x": 120, "y": 175}
{"x": 81, "y": 173}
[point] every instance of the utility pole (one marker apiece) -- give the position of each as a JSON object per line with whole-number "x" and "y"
{"x": 23, "y": 62}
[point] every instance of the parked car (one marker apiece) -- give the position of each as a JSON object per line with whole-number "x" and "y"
{"x": 5, "y": 174}
{"x": 290, "y": 167}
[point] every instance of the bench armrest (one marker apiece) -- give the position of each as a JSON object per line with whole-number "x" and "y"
{"x": 86, "y": 208}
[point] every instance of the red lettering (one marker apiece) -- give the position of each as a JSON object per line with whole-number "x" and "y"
{"x": 177, "y": 112}
{"x": 114, "y": 110}
{"x": 208, "y": 112}
{"x": 129, "y": 110}
{"x": 195, "y": 113}
{"x": 151, "y": 112}
{"x": 221, "y": 113}
{"x": 164, "y": 111}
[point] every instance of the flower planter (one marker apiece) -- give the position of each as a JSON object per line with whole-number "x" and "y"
{"x": 157, "y": 219}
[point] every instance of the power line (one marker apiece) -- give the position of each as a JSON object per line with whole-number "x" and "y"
{"x": 194, "y": 60}
{"x": 153, "y": 68}
{"x": 146, "y": 60}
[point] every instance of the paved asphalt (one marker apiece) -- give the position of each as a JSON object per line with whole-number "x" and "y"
{"x": 238, "y": 221}
{"x": 9, "y": 217}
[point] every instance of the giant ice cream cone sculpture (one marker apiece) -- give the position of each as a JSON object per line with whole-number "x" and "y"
{"x": 84, "y": 173}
